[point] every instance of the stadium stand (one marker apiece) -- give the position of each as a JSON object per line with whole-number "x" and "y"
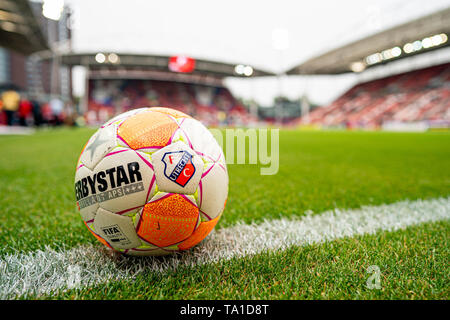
{"x": 132, "y": 81}
{"x": 419, "y": 95}
{"x": 212, "y": 105}
{"x": 410, "y": 100}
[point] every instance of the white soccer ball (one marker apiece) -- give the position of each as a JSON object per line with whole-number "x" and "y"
{"x": 151, "y": 181}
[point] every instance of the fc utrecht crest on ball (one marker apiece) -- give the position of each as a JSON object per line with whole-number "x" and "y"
{"x": 151, "y": 181}
{"x": 180, "y": 166}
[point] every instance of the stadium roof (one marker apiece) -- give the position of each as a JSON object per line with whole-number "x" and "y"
{"x": 421, "y": 35}
{"x": 19, "y": 28}
{"x": 159, "y": 63}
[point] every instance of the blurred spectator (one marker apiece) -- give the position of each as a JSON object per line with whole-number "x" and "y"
{"x": 46, "y": 112}
{"x": 69, "y": 114}
{"x": 212, "y": 105}
{"x": 56, "y": 107}
{"x": 25, "y": 110}
{"x": 418, "y": 95}
{"x": 37, "y": 114}
{"x": 10, "y": 99}
{"x": 2, "y": 114}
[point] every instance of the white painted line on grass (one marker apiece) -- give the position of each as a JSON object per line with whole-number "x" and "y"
{"x": 42, "y": 272}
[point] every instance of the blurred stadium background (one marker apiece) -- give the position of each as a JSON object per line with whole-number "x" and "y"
{"x": 394, "y": 89}
{"x": 342, "y": 201}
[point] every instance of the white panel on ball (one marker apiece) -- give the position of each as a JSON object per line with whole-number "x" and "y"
{"x": 86, "y": 201}
{"x": 201, "y": 139}
{"x": 123, "y": 179}
{"x": 214, "y": 191}
{"x": 116, "y": 229}
{"x": 98, "y": 146}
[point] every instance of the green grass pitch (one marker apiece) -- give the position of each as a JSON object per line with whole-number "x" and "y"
{"x": 319, "y": 171}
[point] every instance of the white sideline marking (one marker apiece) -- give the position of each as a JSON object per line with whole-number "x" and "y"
{"x": 16, "y": 130}
{"x": 46, "y": 271}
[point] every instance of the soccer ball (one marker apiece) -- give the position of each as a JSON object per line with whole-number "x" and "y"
{"x": 151, "y": 181}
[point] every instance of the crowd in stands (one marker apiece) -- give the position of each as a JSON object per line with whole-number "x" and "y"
{"x": 17, "y": 109}
{"x": 420, "y": 95}
{"x": 213, "y": 106}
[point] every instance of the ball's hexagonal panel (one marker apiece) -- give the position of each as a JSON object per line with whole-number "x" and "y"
{"x": 121, "y": 117}
{"x": 178, "y": 168}
{"x": 147, "y": 130}
{"x": 171, "y": 112}
{"x": 167, "y": 219}
{"x": 213, "y": 190}
{"x": 86, "y": 202}
{"x": 201, "y": 139}
{"x": 122, "y": 181}
{"x": 98, "y": 146}
{"x": 117, "y": 230}
{"x": 199, "y": 234}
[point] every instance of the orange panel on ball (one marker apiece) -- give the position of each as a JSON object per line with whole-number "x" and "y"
{"x": 147, "y": 130}
{"x": 172, "y": 112}
{"x": 199, "y": 234}
{"x": 168, "y": 220}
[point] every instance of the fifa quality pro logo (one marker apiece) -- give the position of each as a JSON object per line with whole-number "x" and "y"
{"x": 178, "y": 166}
{"x": 109, "y": 184}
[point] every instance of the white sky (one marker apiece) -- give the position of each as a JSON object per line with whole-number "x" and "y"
{"x": 240, "y": 31}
